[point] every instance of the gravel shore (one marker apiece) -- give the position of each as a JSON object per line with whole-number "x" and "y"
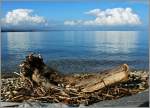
{"x": 138, "y": 84}
{"x": 138, "y": 100}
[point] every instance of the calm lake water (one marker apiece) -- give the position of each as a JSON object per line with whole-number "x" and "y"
{"x": 77, "y": 51}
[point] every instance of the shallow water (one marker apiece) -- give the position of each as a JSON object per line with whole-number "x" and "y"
{"x": 77, "y": 51}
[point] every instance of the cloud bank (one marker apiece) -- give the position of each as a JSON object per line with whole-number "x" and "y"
{"x": 23, "y": 17}
{"x": 114, "y": 16}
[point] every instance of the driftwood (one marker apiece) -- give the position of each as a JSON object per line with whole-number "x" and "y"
{"x": 39, "y": 74}
{"x": 110, "y": 77}
{"x": 34, "y": 69}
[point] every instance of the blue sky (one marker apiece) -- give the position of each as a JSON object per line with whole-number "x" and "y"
{"x": 58, "y": 12}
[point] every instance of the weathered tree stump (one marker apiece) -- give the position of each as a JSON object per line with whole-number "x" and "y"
{"x": 35, "y": 70}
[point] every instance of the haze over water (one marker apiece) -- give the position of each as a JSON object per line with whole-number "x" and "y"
{"x": 77, "y": 51}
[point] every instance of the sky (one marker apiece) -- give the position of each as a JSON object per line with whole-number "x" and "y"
{"x": 75, "y": 13}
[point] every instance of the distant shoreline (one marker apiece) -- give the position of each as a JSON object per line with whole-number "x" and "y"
{"x": 74, "y": 29}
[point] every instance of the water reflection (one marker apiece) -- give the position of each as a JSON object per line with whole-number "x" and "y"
{"x": 19, "y": 41}
{"x": 114, "y": 42}
{"x": 105, "y": 41}
{"x": 89, "y": 45}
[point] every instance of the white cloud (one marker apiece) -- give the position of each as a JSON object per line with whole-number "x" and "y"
{"x": 19, "y": 17}
{"x": 115, "y": 16}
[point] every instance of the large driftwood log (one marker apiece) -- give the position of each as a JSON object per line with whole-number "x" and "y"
{"x": 34, "y": 69}
{"x": 104, "y": 79}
